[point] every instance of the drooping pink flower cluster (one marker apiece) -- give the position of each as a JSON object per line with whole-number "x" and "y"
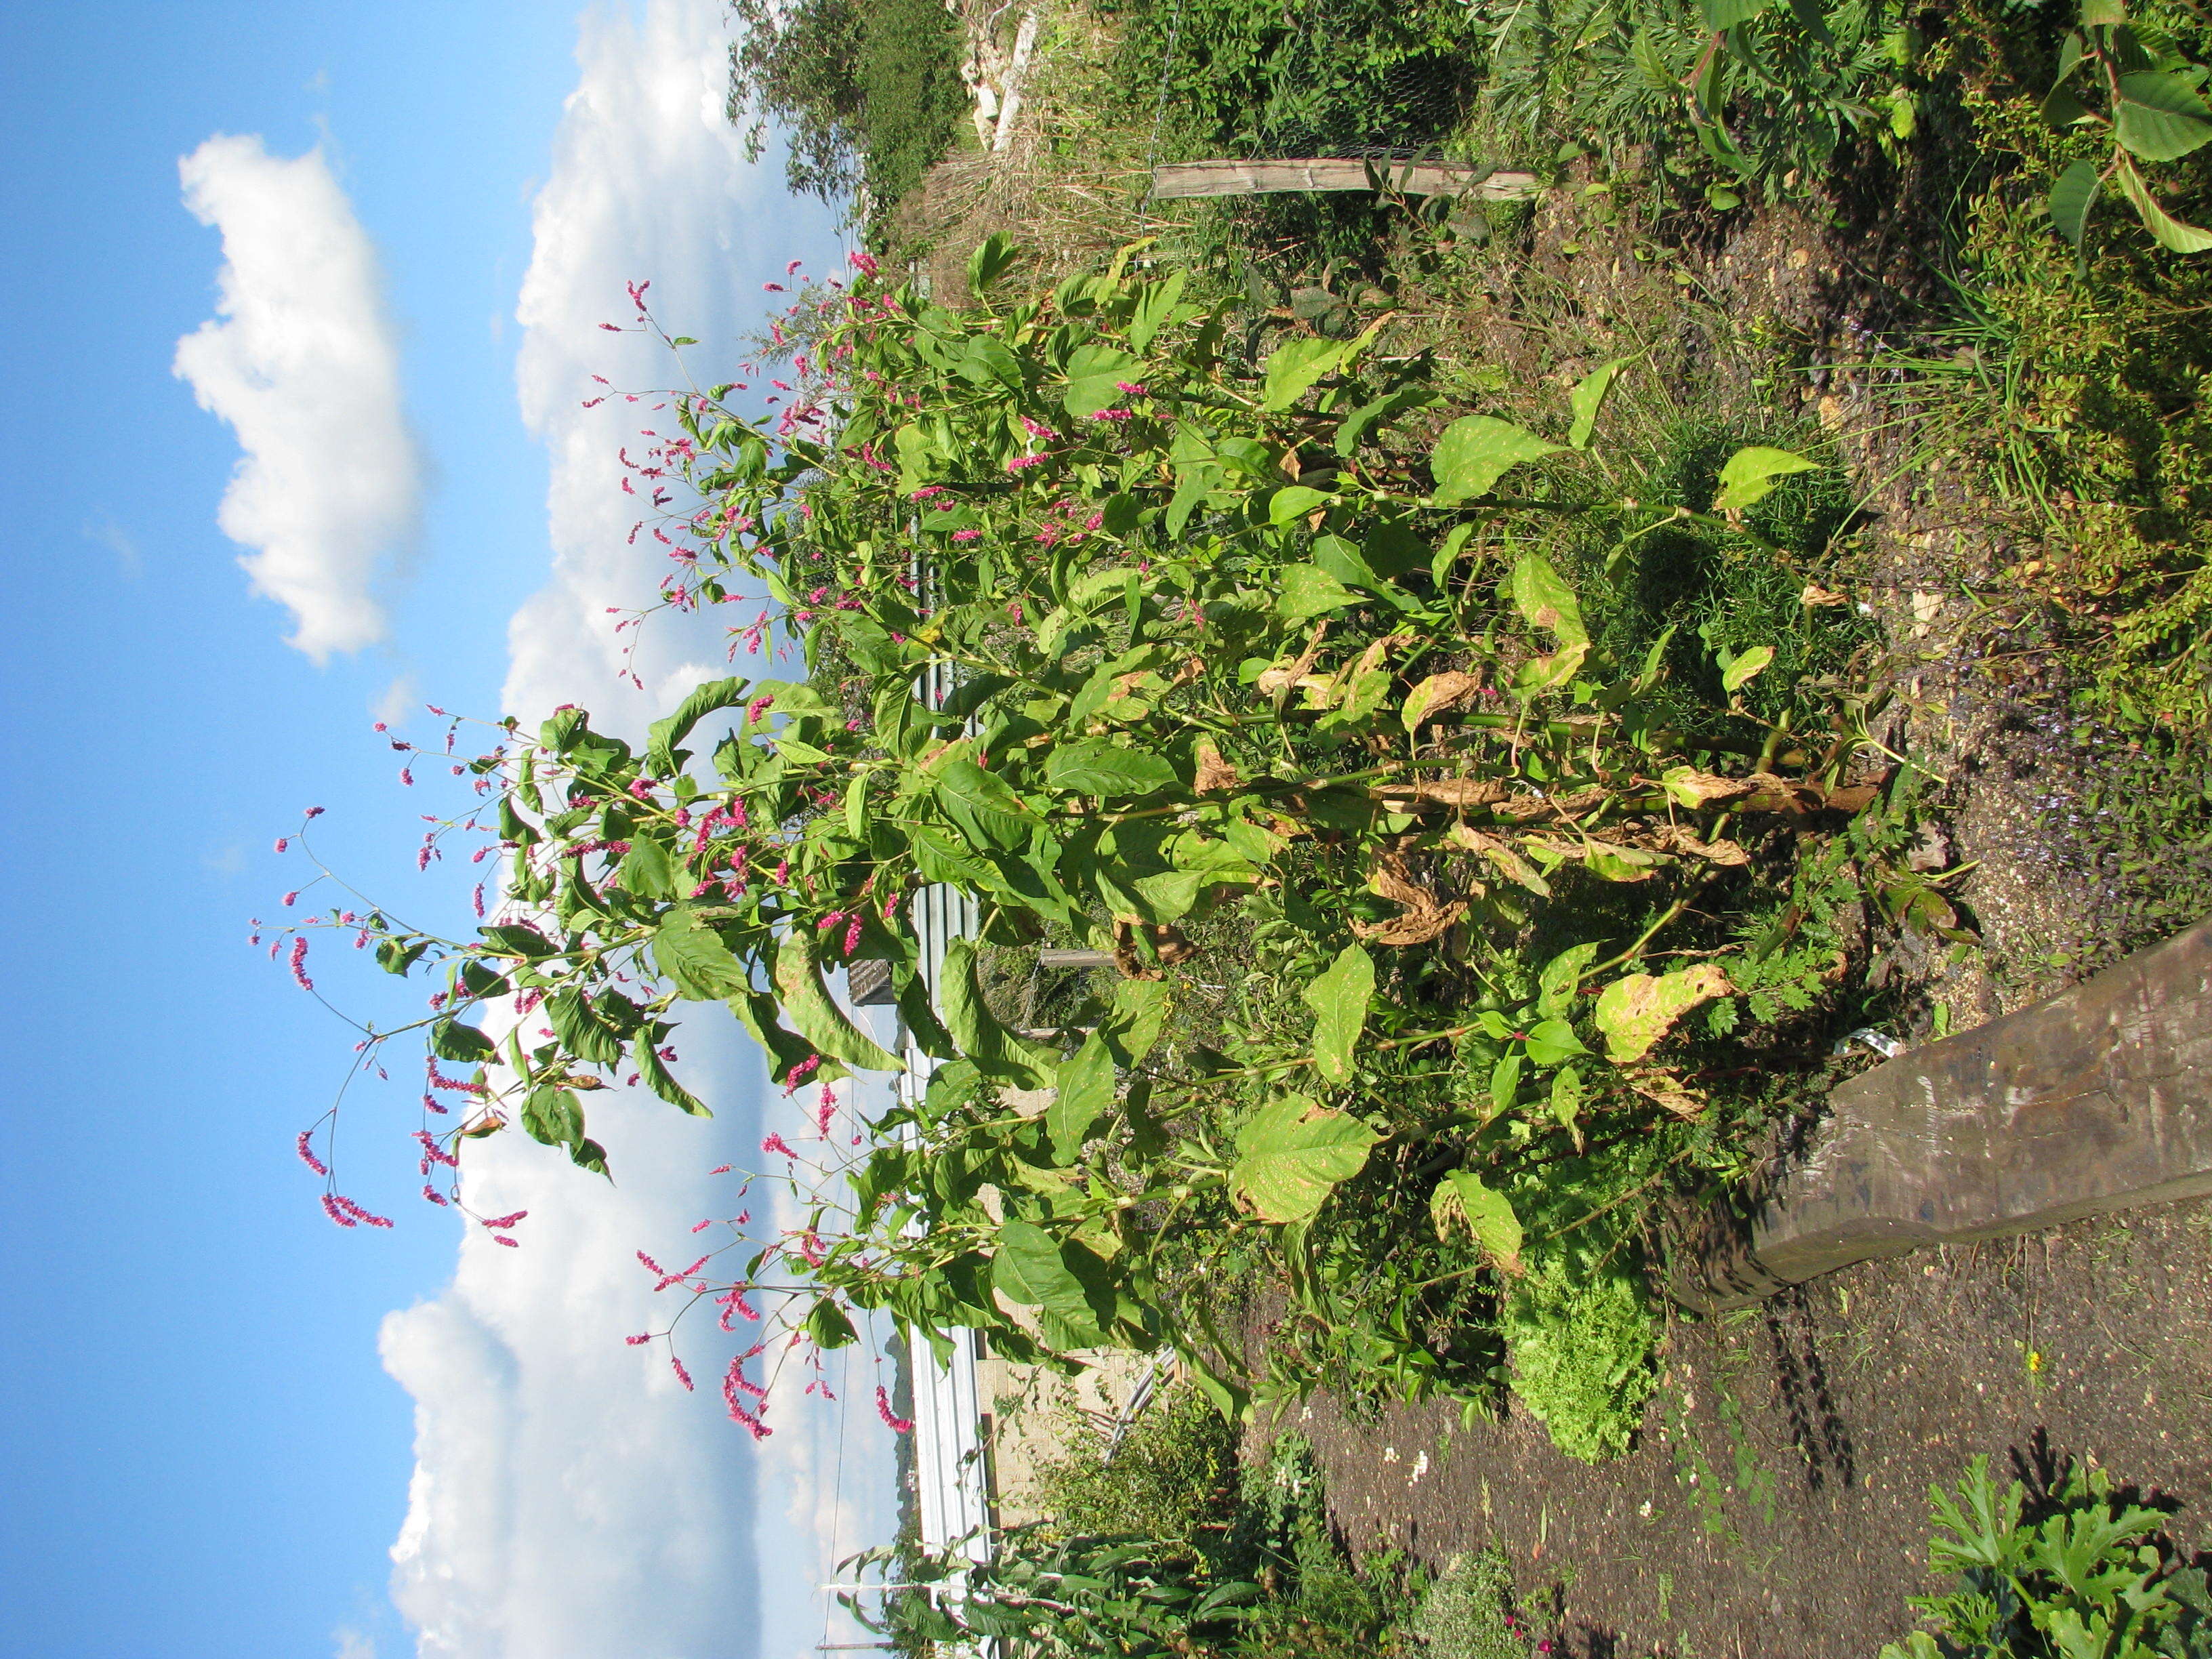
{"x": 347, "y": 1214}
{"x": 892, "y": 1421}
{"x": 308, "y": 1154}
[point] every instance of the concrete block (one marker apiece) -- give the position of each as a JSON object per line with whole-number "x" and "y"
{"x": 2097, "y": 1099}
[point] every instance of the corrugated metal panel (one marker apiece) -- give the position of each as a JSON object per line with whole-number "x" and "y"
{"x": 950, "y": 1474}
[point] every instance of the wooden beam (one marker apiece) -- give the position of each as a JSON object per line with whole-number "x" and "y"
{"x": 1186, "y": 178}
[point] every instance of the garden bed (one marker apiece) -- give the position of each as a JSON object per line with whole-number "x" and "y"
{"x": 1777, "y": 1500}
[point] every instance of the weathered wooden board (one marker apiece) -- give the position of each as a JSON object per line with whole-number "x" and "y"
{"x": 2094, "y": 1100}
{"x": 1340, "y": 172}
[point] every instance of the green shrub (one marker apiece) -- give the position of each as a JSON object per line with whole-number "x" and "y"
{"x": 1581, "y": 1351}
{"x": 1173, "y": 1472}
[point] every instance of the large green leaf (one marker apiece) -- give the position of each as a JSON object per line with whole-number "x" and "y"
{"x": 1133, "y": 1025}
{"x": 1339, "y": 998}
{"x": 1476, "y": 451}
{"x": 1292, "y": 1155}
{"x": 965, "y": 781}
{"x": 1031, "y": 1268}
{"x": 1545, "y": 601}
{"x": 1634, "y": 1013}
{"x": 1461, "y": 1198}
{"x": 1307, "y": 591}
{"x": 814, "y": 1014}
{"x": 1106, "y": 768}
{"x": 1293, "y": 503}
{"x": 694, "y": 959}
{"x": 582, "y": 1031}
{"x": 1588, "y": 398}
{"x": 2159, "y": 117}
{"x": 2169, "y": 232}
{"x": 705, "y": 700}
{"x": 1750, "y": 474}
{"x": 1095, "y": 374}
{"x": 997, "y": 1052}
{"x": 659, "y": 1078}
{"x": 2071, "y": 197}
{"x": 1294, "y": 367}
{"x": 1083, "y": 1094}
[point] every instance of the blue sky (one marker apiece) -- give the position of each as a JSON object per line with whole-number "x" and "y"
{"x": 205, "y": 1452}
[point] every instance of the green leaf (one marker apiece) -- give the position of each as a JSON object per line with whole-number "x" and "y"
{"x": 520, "y": 939}
{"x": 582, "y": 1032}
{"x": 992, "y": 258}
{"x": 1634, "y": 1013}
{"x": 645, "y": 870}
{"x": 654, "y": 1070}
{"x": 1288, "y": 505}
{"x": 1476, "y": 451}
{"x": 1307, "y": 591}
{"x": 1588, "y": 398}
{"x": 1552, "y": 1040}
{"x": 2159, "y": 116}
{"x": 1106, "y": 768}
{"x": 1339, "y": 998}
{"x": 1293, "y": 1154}
{"x": 1561, "y": 977}
{"x": 692, "y": 955}
{"x": 1083, "y": 1094}
{"x": 1545, "y": 601}
{"x": 985, "y": 361}
{"x": 1095, "y": 375}
{"x": 1567, "y": 1100}
{"x": 1032, "y": 1269}
{"x": 704, "y": 699}
{"x": 2169, "y": 232}
{"x": 812, "y": 1011}
{"x": 1461, "y": 1199}
{"x": 965, "y": 781}
{"x": 996, "y": 1052}
{"x": 451, "y": 1040}
{"x": 551, "y": 1116}
{"x": 2071, "y": 197}
{"x": 1721, "y": 14}
{"x": 1133, "y": 1025}
{"x": 1505, "y": 1083}
{"x": 1751, "y": 472}
{"x": 1294, "y": 367}
{"x": 1743, "y": 670}
{"x": 826, "y": 1322}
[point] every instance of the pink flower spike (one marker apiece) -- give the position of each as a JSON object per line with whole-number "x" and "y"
{"x": 307, "y": 1156}
{"x": 720, "y": 1169}
{"x": 682, "y": 1376}
{"x": 640, "y": 1340}
{"x": 892, "y": 1421}
{"x": 502, "y": 1238}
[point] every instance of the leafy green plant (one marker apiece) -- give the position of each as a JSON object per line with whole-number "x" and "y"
{"x": 2079, "y": 1574}
{"x": 1169, "y": 1475}
{"x": 2151, "y": 107}
{"x": 1195, "y": 632}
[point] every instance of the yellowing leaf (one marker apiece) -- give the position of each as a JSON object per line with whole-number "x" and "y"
{"x": 1461, "y": 1199}
{"x": 1440, "y": 694}
{"x": 1292, "y": 1155}
{"x": 1636, "y": 1011}
{"x": 1339, "y": 998}
{"x": 1478, "y": 450}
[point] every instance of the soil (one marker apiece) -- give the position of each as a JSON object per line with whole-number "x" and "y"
{"x": 1775, "y": 1505}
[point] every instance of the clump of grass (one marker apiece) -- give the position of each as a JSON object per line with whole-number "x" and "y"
{"x": 1468, "y": 1612}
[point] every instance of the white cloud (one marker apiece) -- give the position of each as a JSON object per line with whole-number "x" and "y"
{"x": 303, "y": 363}
{"x": 649, "y": 184}
{"x": 400, "y": 701}
{"x": 569, "y": 1498}
{"x": 348, "y": 1643}
{"x": 103, "y": 528}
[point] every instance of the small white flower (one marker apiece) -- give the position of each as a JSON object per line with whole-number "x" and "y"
{"x": 1389, "y": 1453}
{"x": 1420, "y": 1468}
